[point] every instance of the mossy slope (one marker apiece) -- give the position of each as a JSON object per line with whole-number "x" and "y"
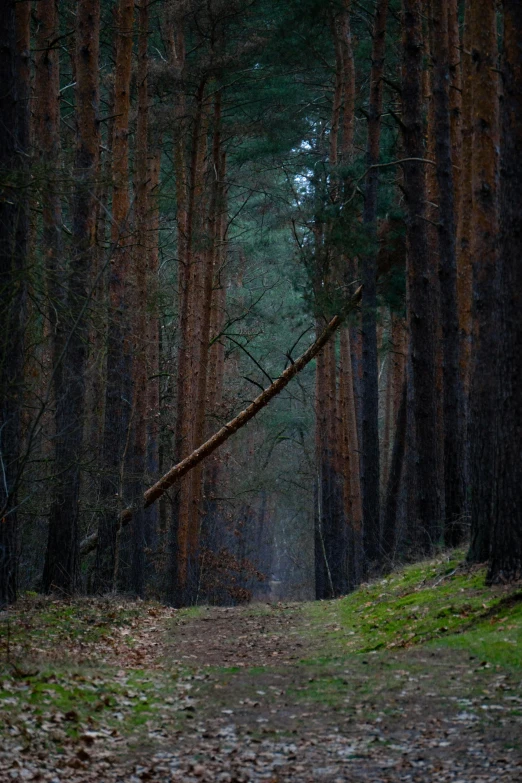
{"x": 440, "y": 602}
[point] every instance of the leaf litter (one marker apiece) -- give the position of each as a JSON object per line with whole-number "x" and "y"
{"x": 98, "y": 690}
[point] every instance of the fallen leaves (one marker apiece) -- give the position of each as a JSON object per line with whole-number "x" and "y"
{"x": 117, "y": 692}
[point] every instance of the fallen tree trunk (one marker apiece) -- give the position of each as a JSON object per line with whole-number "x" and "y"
{"x": 177, "y": 471}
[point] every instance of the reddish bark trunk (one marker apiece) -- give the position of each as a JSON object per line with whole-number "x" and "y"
{"x": 421, "y": 304}
{"x": 140, "y": 262}
{"x": 61, "y": 569}
{"x": 118, "y": 391}
{"x": 486, "y": 142}
{"x": 453, "y": 408}
{"x": 370, "y": 457}
{"x": 506, "y": 545}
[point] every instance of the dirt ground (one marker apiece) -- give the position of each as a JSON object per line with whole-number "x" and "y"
{"x": 261, "y": 693}
{"x": 277, "y": 713}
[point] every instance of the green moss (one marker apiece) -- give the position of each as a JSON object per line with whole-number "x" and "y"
{"x": 44, "y": 622}
{"x": 440, "y": 601}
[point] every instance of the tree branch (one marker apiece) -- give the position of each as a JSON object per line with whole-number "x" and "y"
{"x": 229, "y": 429}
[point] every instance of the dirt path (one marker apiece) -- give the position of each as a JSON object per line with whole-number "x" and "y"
{"x": 259, "y": 693}
{"x": 276, "y": 714}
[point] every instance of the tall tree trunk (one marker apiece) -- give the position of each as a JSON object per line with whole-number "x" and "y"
{"x": 216, "y": 356}
{"x": 464, "y": 237}
{"x": 421, "y": 304}
{"x": 323, "y": 578}
{"x": 391, "y": 506}
{"x": 61, "y": 569}
{"x": 118, "y": 379}
{"x": 140, "y": 258}
{"x": 325, "y": 401}
{"x": 506, "y": 542}
{"x": 453, "y": 409}
{"x": 153, "y": 324}
{"x": 14, "y": 136}
{"x": 187, "y": 533}
{"x": 47, "y": 136}
{"x": 174, "y": 30}
{"x": 432, "y": 217}
{"x": 483, "y": 24}
{"x": 351, "y": 471}
{"x": 207, "y": 295}
{"x": 370, "y": 384}
{"x": 348, "y": 383}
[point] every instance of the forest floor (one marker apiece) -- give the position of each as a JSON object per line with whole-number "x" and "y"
{"x": 417, "y": 677}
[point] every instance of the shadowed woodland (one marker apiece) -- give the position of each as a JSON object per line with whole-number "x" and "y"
{"x": 260, "y": 391}
{"x": 307, "y": 213}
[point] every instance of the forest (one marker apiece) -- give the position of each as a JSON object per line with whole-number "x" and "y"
{"x": 260, "y": 391}
{"x": 203, "y": 200}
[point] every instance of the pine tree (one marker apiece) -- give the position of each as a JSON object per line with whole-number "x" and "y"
{"x": 421, "y": 299}
{"x": 506, "y": 541}
{"x": 486, "y": 138}
{"x": 62, "y": 562}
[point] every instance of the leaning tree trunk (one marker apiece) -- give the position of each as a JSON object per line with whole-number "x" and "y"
{"x": 61, "y": 569}
{"x": 183, "y": 467}
{"x": 420, "y": 296}
{"x": 506, "y": 541}
{"x": 453, "y": 408}
{"x": 481, "y": 434}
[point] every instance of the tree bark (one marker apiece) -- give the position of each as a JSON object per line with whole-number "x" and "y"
{"x": 464, "y": 265}
{"x": 486, "y": 140}
{"x": 370, "y": 457}
{"x": 506, "y": 543}
{"x": 14, "y": 134}
{"x": 453, "y": 409}
{"x": 47, "y": 136}
{"x": 140, "y": 259}
{"x": 61, "y": 569}
{"x": 118, "y": 379}
{"x": 420, "y": 296}
{"x": 351, "y": 471}
{"x": 390, "y": 515}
